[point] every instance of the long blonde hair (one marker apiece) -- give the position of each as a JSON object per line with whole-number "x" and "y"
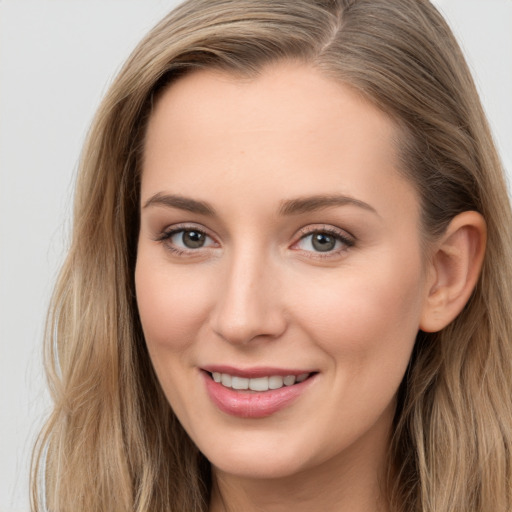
{"x": 112, "y": 442}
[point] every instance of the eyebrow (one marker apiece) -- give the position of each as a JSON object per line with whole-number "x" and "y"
{"x": 180, "y": 202}
{"x": 289, "y": 207}
{"x": 315, "y": 203}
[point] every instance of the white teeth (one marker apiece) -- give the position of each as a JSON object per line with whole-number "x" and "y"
{"x": 275, "y": 382}
{"x": 289, "y": 380}
{"x": 225, "y": 378}
{"x": 258, "y": 383}
{"x": 239, "y": 383}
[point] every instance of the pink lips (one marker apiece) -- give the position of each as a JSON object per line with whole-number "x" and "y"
{"x": 252, "y": 404}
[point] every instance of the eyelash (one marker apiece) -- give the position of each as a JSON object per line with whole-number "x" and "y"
{"x": 346, "y": 240}
{"x": 166, "y": 236}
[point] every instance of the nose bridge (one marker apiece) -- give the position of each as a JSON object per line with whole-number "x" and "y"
{"x": 248, "y": 304}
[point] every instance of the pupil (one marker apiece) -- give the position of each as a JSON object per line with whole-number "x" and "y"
{"x": 193, "y": 239}
{"x": 323, "y": 242}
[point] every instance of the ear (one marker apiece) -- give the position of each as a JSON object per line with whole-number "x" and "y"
{"x": 453, "y": 270}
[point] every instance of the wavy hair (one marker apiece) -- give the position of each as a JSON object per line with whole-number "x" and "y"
{"x": 112, "y": 442}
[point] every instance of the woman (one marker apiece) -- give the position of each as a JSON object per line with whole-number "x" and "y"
{"x": 276, "y": 296}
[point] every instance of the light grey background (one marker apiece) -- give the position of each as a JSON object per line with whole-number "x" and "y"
{"x": 57, "y": 58}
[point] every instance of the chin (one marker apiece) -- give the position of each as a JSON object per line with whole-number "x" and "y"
{"x": 258, "y": 467}
{"x": 260, "y": 457}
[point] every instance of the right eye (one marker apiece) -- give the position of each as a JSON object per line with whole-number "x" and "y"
{"x": 184, "y": 240}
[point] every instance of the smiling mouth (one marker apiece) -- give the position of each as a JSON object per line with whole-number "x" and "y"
{"x": 254, "y": 393}
{"x": 260, "y": 384}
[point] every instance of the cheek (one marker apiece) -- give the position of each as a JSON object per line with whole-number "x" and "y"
{"x": 172, "y": 311}
{"x": 367, "y": 319}
{"x": 171, "y": 306}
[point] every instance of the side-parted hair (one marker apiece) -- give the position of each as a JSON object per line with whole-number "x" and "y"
{"x": 112, "y": 442}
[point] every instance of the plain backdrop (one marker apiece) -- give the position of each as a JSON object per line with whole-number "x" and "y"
{"x": 57, "y": 58}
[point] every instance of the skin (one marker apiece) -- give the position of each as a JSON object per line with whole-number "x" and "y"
{"x": 258, "y": 293}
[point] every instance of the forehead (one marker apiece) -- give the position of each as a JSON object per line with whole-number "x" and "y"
{"x": 285, "y": 96}
{"x": 288, "y": 127}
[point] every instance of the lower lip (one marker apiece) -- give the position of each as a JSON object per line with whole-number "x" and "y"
{"x": 245, "y": 404}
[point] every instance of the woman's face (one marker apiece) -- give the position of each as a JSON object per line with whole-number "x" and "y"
{"x": 278, "y": 244}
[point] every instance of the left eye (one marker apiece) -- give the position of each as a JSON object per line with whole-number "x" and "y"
{"x": 189, "y": 239}
{"x": 322, "y": 241}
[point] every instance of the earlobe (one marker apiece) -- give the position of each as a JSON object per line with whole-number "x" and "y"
{"x": 454, "y": 269}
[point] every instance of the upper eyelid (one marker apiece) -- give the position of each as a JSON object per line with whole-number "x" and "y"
{"x": 346, "y": 238}
{"x": 324, "y": 228}
{"x": 301, "y": 233}
{"x": 165, "y": 238}
{"x": 176, "y": 228}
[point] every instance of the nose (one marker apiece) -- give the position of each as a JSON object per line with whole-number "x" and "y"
{"x": 249, "y": 306}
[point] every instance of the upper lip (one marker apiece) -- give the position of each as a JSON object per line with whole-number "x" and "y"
{"x": 255, "y": 371}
